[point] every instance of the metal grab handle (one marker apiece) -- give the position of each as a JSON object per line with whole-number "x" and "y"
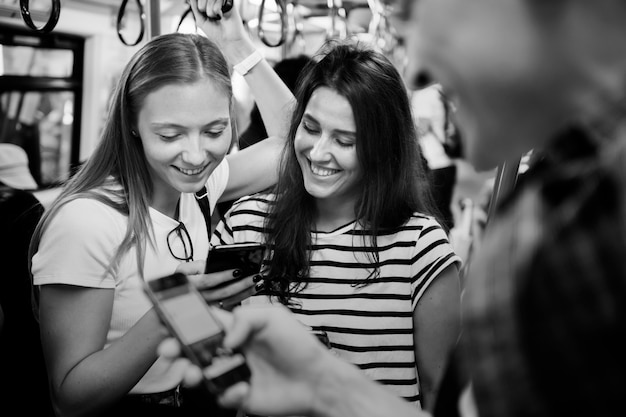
{"x": 296, "y": 45}
{"x": 142, "y": 18}
{"x": 53, "y": 19}
{"x": 380, "y": 28}
{"x": 283, "y": 24}
{"x": 338, "y": 28}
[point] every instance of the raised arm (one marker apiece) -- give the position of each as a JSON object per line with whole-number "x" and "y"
{"x": 256, "y": 168}
{"x": 272, "y": 96}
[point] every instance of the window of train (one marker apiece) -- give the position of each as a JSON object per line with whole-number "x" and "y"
{"x": 40, "y": 99}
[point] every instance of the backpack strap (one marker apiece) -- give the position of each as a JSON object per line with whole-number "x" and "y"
{"x": 202, "y": 197}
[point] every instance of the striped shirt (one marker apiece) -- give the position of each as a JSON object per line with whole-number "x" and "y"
{"x": 370, "y": 326}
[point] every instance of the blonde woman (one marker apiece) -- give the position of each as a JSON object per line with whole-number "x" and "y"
{"x": 130, "y": 214}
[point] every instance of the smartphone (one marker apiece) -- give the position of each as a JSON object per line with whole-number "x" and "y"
{"x": 247, "y": 257}
{"x": 188, "y": 318}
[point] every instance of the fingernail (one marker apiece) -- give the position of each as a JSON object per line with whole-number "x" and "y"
{"x": 237, "y": 273}
{"x": 259, "y": 287}
{"x": 257, "y": 278}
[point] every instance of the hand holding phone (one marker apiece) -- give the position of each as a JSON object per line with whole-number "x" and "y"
{"x": 232, "y": 273}
{"x": 247, "y": 257}
{"x": 191, "y": 320}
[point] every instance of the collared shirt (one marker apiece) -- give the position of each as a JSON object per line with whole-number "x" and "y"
{"x": 545, "y": 304}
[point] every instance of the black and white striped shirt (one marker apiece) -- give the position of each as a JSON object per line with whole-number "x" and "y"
{"x": 372, "y": 325}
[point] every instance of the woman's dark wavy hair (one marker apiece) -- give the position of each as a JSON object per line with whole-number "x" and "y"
{"x": 394, "y": 184}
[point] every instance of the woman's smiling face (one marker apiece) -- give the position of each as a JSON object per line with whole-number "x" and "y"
{"x": 185, "y": 131}
{"x": 325, "y": 146}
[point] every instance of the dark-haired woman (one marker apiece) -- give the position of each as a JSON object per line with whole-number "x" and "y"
{"x": 354, "y": 250}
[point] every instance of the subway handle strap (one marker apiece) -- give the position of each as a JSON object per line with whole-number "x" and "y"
{"x": 142, "y": 25}
{"x": 55, "y": 12}
{"x": 202, "y": 197}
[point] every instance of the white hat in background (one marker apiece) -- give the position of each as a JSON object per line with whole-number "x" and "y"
{"x": 14, "y": 170}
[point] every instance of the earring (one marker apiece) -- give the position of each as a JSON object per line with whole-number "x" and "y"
{"x": 132, "y": 132}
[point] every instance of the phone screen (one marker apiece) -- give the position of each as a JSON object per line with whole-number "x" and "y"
{"x": 189, "y": 314}
{"x": 183, "y": 310}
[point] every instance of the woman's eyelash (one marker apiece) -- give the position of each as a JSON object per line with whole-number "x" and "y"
{"x": 309, "y": 128}
{"x": 168, "y": 137}
{"x": 214, "y": 134}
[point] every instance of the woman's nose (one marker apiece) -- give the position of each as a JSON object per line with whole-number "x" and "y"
{"x": 319, "y": 151}
{"x": 194, "y": 153}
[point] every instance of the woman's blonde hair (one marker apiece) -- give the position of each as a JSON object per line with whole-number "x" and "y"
{"x": 119, "y": 163}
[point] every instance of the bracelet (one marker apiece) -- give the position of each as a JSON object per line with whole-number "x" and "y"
{"x": 247, "y": 64}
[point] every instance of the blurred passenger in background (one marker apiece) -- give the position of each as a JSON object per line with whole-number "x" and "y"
{"x": 439, "y": 145}
{"x": 22, "y": 368}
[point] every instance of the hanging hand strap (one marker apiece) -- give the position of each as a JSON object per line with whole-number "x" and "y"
{"x": 55, "y": 12}
{"x": 282, "y": 10}
{"x": 183, "y": 17}
{"x": 120, "y": 17}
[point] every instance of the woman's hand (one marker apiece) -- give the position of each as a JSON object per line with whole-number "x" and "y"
{"x": 225, "y": 288}
{"x": 228, "y": 32}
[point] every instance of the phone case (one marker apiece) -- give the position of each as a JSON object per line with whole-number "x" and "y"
{"x": 246, "y": 257}
{"x": 183, "y": 311}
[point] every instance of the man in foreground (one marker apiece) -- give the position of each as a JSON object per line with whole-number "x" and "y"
{"x": 544, "y": 318}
